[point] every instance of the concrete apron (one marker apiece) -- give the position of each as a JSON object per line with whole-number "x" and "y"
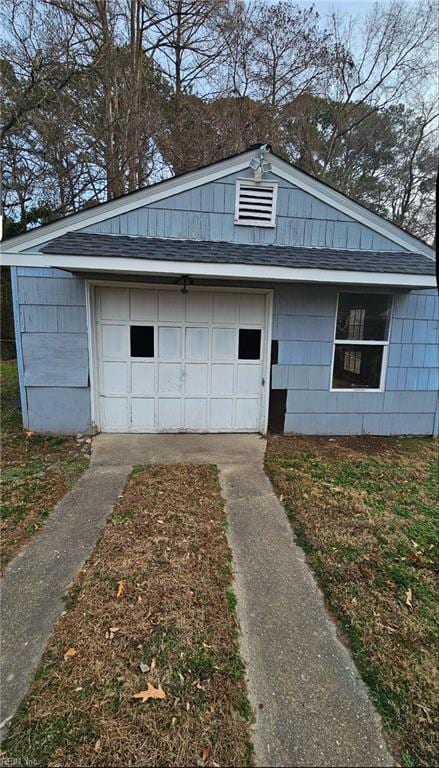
{"x": 312, "y": 709}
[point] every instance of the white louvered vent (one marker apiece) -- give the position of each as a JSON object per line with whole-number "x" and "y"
{"x": 255, "y": 203}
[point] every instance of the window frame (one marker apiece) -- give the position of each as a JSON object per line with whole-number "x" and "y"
{"x": 251, "y": 222}
{"x": 385, "y": 343}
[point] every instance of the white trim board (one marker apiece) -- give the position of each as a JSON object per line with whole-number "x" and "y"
{"x": 205, "y": 175}
{"x": 126, "y": 266}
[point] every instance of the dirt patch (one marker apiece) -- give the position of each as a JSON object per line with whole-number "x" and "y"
{"x": 36, "y": 471}
{"x": 152, "y": 607}
{"x": 365, "y": 512}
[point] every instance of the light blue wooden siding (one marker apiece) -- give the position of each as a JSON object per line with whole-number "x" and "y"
{"x": 53, "y": 343}
{"x": 207, "y": 213}
{"x": 303, "y": 324}
{"x": 54, "y": 376}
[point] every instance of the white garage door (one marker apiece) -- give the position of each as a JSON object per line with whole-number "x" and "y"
{"x": 169, "y": 361}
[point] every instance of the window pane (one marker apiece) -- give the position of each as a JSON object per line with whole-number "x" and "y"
{"x": 363, "y": 316}
{"x": 249, "y": 344}
{"x": 142, "y": 341}
{"x": 357, "y": 366}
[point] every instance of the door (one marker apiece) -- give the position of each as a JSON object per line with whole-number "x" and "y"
{"x": 174, "y": 362}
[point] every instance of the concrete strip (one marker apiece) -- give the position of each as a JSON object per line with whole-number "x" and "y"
{"x": 36, "y": 581}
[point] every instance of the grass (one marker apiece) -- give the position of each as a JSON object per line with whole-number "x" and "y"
{"x": 36, "y": 471}
{"x": 173, "y": 625}
{"x": 365, "y": 512}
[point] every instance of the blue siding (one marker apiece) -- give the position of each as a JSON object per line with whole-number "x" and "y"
{"x": 207, "y": 213}
{"x": 52, "y": 342}
{"x": 303, "y": 324}
{"x": 53, "y": 349}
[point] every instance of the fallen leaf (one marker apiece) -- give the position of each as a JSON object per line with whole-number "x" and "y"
{"x": 153, "y": 665}
{"x": 205, "y": 755}
{"x": 144, "y": 667}
{"x": 174, "y": 721}
{"x": 98, "y": 746}
{"x": 70, "y": 653}
{"x": 426, "y": 712}
{"x": 120, "y": 588}
{"x": 29, "y": 434}
{"x": 408, "y": 598}
{"x": 150, "y": 693}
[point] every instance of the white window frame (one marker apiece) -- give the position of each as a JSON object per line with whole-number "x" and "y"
{"x": 256, "y": 184}
{"x": 366, "y": 343}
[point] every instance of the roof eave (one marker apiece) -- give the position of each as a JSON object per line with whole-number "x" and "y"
{"x": 133, "y": 266}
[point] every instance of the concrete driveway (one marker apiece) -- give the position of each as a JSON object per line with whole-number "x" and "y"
{"x": 312, "y": 708}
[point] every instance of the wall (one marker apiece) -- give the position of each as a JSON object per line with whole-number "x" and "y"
{"x": 303, "y": 323}
{"x": 52, "y": 350}
{"x": 207, "y": 213}
{"x": 51, "y": 329}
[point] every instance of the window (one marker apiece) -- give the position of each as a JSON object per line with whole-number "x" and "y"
{"x": 249, "y": 347}
{"x": 142, "y": 340}
{"x": 361, "y": 340}
{"x": 255, "y": 203}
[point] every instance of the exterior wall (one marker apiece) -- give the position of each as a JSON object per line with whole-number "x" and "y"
{"x": 207, "y": 213}
{"x": 51, "y": 327}
{"x": 52, "y": 346}
{"x": 303, "y": 324}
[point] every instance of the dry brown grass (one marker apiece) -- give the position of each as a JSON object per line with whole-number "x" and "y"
{"x": 36, "y": 472}
{"x": 365, "y": 511}
{"x": 176, "y": 628}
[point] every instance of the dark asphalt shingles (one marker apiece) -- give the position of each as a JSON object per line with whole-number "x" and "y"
{"x": 169, "y": 249}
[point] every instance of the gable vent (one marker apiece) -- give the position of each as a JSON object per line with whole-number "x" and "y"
{"x": 255, "y": 204}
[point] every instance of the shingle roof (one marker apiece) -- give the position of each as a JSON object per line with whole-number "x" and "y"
{"x": 167, "y": 249}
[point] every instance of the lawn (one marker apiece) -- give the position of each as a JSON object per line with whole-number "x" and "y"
{"x": 152, "y": 611}
{"x": 365, "y": 512}
{"x": 36, "y": 471}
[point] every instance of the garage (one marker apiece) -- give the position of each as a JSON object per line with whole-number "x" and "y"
{"x": 174, "y": 361}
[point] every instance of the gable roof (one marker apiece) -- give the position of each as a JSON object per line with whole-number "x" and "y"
{"x": 190, "y": 179}
{"x": 167, "y": 249}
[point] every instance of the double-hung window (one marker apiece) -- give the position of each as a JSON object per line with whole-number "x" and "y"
{"x": 361, "y": 341}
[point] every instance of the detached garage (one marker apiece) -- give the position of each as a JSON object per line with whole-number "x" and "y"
{"x": 238, "y": 297}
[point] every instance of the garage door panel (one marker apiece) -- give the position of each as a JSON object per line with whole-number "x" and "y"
{"x": 249, "y": 379}
{"x": 113, "y": 303}
{"x": 198, "y": 307}
{"x": 195, "y": 413}
{"x": 224, "y": 343}
{"x": 225, "y": 307}
{"x": 114, "y": 341}
{"x": 221, "y": 413}
{"x": 169, "y": 414}
{"x": 142, "y": 413}
{"x": 142, "y": 378}
{"x": 171, "y": 305}
{"x": 197, "y": 343}
{"x": 143, "y": 305}
{"x": 170, "y": 378}
{"x": 222, "y": 382}
{"x": 196, "y": 378}
{"x": 169, "y": 342}
{"x": 115, "y": 412}
{"x": 247, "y": 413}
{"x": 114, "y": 377}
{"x": 251, "y": 309}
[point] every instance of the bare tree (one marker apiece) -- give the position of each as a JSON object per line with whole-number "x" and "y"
{"x": 381, "y": 60}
